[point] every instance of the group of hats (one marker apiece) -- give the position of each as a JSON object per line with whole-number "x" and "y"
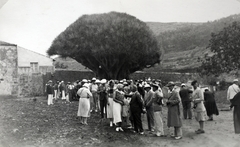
{"x": 103, "y": 81}
{"x": 148, "y": 86}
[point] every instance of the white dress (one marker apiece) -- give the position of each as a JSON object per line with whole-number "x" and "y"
{"x": 110, "y": 108}
{"x": 117, "y": 112}
{"x": 84, "y": 102}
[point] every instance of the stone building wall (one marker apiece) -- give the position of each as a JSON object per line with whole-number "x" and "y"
{"x": 8, "y": 70}
{"x": 30, "y": 85}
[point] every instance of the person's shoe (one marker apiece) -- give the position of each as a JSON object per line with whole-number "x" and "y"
{"x": 96, "y": 111}
{"x": 160, "y": 135}
{"x": 111, "y": 123}
{"x": 178, "y": 137}
{"x": 134, "y": 131}
{"x": 210, "y": 119}
{"x": 172, "y": 135}
{"x": 117, "y": 129}
{"x": 130, "y": 127}
{"x": 141, "y": 133}
{"x": 197, "y": 130}
{"x": 152, "y": 130}
{"x": 200, "y": 132}
{"x": 120, "y": 129}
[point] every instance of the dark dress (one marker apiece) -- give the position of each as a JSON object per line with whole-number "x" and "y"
{"x": 136, "y": 106}
{"x": 236, "y": 112}
{"x": 103, "y": 99}
{"x": 210, "y": 103}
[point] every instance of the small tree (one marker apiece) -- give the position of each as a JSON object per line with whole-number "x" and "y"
{"x": 113, "y": 45}
{"x": 226, "y": 48}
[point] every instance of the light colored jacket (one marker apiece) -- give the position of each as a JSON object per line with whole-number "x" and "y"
{"x": 174, "y": 117}
{"x": 197, "y": 96}
{"x": 84, "y": 93}
{"x": 93, "y": 87}
{"x": 232, "y": 91}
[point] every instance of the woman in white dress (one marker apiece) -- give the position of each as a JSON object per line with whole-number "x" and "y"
{"x": 84, "y": 103}
{"x": 118, "y": 101}
{"x": 110, "y": 94}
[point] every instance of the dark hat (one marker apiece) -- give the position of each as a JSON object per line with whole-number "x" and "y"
{"x": 194, "y": 82}
{"x": 170, "y": 84}
{"x": 155, "y": 85}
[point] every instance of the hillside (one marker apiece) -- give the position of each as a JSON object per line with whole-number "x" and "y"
{"x": 159, "y": 27}
{"x": 183, "y": 44}
{"x": 193, "y": 36}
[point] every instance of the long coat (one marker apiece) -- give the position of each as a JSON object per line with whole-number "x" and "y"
{"x": 174, "y": 119}
{"x": 236, "y": 113}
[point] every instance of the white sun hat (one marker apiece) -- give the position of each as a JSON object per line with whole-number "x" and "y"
{"x": 147, "y": 86}
{"x": 103, "y": 81}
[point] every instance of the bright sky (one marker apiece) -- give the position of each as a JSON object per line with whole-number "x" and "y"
{"x": 33, "y": 24}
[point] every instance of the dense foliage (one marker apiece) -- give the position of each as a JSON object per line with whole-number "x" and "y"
{"x": 113, "y": 45}
{"x": 226, "y": 48}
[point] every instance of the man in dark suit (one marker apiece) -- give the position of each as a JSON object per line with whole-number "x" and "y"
{"x": 186, "y": 101}
{"x": 136, "y": 108}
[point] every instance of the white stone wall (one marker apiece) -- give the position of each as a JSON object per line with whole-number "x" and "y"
{"x": 8, "y": 70}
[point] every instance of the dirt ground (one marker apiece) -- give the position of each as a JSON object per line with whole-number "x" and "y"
{"x": 29, "y": 122}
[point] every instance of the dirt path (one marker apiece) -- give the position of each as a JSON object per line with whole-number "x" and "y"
{"x": 27, "y": 123}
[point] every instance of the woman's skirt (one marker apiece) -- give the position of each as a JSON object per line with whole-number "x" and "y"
{"x": 110, "y": 108}
{"x": 125, "y": 109}
{"x": 200, "y": 116}
{"x": 117, "y": 112}
{"x": 84, "y": 107}
{"x": 211, "y": 108}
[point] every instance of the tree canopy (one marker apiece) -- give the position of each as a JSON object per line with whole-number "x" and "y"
{"x": 112, "y": 45}
{"x": 226, "y": 48}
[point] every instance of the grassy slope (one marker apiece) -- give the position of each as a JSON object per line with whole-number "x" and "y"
{"x": 158, "y": 27}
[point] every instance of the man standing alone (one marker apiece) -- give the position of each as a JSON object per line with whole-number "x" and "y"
{"x": 186, "y": 101}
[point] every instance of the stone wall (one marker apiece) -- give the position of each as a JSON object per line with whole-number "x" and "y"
{"x": 8, "y": 70}
{"x": 30, "y": 85}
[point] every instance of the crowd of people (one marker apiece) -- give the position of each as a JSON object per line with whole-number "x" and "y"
{"x": 127, "y": 100}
